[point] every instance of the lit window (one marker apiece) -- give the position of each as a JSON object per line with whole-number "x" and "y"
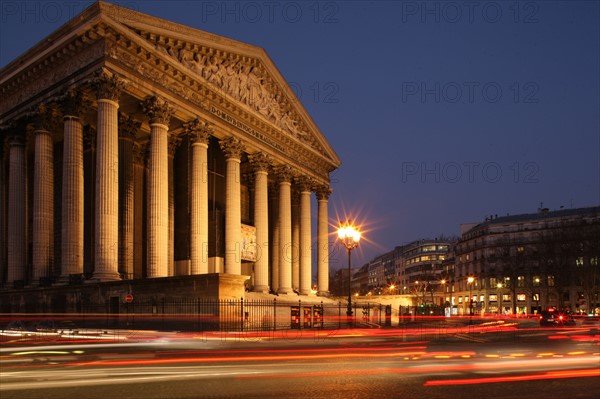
{"x": 550, "y": 281}
{"x": 536, "y": 297}
{"x": 521, "y": 281}
{"x": 536, "y": 281}
{"x": 493, "y": 297}
{"x": 521, "y": 297}
{"x": 579, "y": 261}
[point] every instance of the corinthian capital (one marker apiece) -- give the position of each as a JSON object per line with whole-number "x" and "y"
{"x": 232, "y": 147}
{"x": 260, "y": 162}
{"x": 44, "y": 117}
{"x": 107, "y": 85}
{"x": 304, "y": 183}
{"x": 74, "y": 104}
{"x": 198, "y": 131}
{"x": 157, "y": 110}
{"x": 140, "y": 151}
{"x": 16, "y": 139}
{"x": 174, "y": 142}
{"x": 128, "y": 127}
{"x": 323, "y": 192}
{"x": 284, "y": 173}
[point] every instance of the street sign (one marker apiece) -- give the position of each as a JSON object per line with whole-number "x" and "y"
{"x": 128, "y": 298}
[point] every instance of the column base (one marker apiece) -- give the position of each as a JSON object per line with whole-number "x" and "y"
{"x": 305, "y": 292}
{"x": 100, "y": 277}
{"x": 324, "y": 293}
{"x": 263, "y": 289}
{"x": 70, "y": 279}
{"x": 285, "y": 291}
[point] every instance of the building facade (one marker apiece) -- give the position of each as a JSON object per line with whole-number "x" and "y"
{"x": 527, "y": 263}
{"x": 421, "y": 272}
{"x": 136, "y": 148}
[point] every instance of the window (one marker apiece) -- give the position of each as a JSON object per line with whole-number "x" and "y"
{"x": 521, "y": 281}
{"x": 521, "y": 297}
{"x": 536, "y": 296}
{"x": 565, "y": 296}
{"x": 460, "y": 299}
{"x": 520, "y": 250}
{"x": 579, "y": 261}
{"x": 493, "y": 282}
{"x": 550, "y": 281}
{"x": 493, "y": 297}
{"x": 536, "y": 281}
{"x": 506, "y": 297}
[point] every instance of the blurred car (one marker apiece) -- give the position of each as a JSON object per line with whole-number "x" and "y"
{"x": 553, "y": 317}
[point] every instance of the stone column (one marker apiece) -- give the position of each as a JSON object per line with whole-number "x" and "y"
{"x": 305, "y": 186}
{"x": 284, "y": 175}
{"x": 275, "y": 238}
{"x": 17, "y": 209}
{"x": 72, "y": 187}
{"x": 174, "y": 142}
{"x": 261, "y": 164}
{"x": 233, "y": 149}
{"x": 128, "y": 130}
{"x": 323, "y": 241}
{"x": 106, "y": 259}
{"x": 199, "y": 133}
{"x": 43, "y": 196}
{"x": 159, "y": 114}
{"x": 140, "y": 151}
{"x": 3, "y": 214}
{"x": 295, "y": 239}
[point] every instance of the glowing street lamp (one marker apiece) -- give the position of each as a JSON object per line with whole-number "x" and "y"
{"x": 500, "y": 299}
{"x": 349, "y": 236}
{"x": 470, "y": 282}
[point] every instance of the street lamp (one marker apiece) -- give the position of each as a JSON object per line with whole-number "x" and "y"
{"x": 500, "y": 299}
{"x": 349, "y": 236}
{"x": 470, "y": 282}
{"x": 443, "y": 283}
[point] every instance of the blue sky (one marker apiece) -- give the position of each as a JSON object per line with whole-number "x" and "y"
{"x": 442, "y": 112}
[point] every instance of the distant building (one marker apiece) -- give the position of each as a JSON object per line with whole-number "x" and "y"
{"x": 420, "y": 269}
{"x": 526, "y": 263}
{"x": 401, "y": 270}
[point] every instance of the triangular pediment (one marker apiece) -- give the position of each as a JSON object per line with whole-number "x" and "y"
{"x": 239, "y": 71}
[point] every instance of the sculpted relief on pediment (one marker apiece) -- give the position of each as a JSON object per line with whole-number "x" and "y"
{"x": 244, "y": 80}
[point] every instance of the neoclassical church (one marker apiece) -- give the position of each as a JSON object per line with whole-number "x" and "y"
{"x": 134, "y": 148}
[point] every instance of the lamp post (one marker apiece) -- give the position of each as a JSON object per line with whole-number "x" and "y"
{"x": 349, "y": 236}
{"x": 443, "y": 285}
{"x": 470, "y": 282}
{"x": 500, "y": 301}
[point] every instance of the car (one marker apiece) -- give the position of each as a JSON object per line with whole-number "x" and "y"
{"x": 553, "y": 317}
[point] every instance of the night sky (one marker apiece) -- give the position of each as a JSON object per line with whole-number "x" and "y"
{"x": 442, "y": 112}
